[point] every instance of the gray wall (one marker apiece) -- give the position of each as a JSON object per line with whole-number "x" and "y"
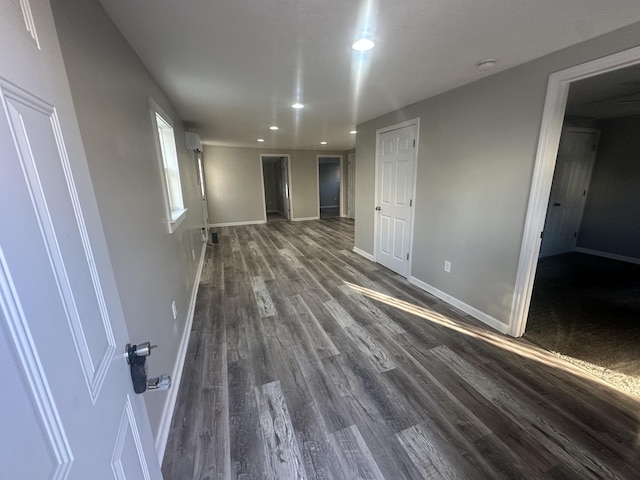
{"x": 611, "y": 220}
{"x": 234, "y": 191}
{"x": 110, "y": 89}
{"x": 476, "y": 155}
{"x": 329, "y": 183}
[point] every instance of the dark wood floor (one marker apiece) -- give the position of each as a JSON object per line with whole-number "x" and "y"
{"x": 308, "y": 361}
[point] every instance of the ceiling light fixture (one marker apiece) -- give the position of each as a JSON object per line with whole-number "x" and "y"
{"x": 363, "y": 45}
{"x": 297, "y": 105}
{"x": 353, "y": 132}
{"x": 486, "y": 64}
{"x": 323, "y": 143}
{"x": 273, "y": 127}
{"x": 261, "y": 140}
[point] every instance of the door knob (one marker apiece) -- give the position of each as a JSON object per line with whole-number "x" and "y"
{"x": 378, "y": 209}
{"x": 556, "y": 204}
{"x": 137, "y": 359}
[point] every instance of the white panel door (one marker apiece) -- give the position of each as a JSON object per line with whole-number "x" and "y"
{"x": 394, "y": 187}
{"x": 576, "y": 154}
{"x": 68, "y": 407}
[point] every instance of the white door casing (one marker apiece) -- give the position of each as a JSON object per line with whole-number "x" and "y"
{"x": 396, "y": 149}
{"x": 548, "y": 141}
{"x": 576, "y": 156}
{"x": 203, "y": 195}
{"x": 285, "y": 187}
{"x": 68, "y": 407}
{"x": 351, "y": 179}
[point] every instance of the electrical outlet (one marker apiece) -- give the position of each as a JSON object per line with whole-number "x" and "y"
{"x": 174, "y": 310}
{"x": 447, "y": 266}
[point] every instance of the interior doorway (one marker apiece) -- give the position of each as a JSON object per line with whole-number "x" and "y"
{"x": 330, "y": 186}
{"x": 553, "y": 119}
{"x": 584, "y": 297}
{"x": 276, "y": 187}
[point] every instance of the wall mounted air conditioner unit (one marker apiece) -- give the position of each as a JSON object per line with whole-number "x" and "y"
{"x": 193, "y": 142}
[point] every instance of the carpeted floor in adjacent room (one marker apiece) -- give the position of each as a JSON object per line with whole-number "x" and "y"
{"x": 587, "y": 310}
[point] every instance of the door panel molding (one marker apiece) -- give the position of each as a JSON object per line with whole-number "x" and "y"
{"x": 381, "y": 189}
{"x": 18, "y": 104}
{"x": 36, "y": 381}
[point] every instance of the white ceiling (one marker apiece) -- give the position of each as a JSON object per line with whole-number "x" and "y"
{"x": 232, "y": 68}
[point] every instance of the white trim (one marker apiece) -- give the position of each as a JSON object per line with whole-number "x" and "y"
{"x": 397, "y": 126}
{"x": 550, "y": 129}
{"x": 304, "y": 219}
{"x": 176, "y": 377}
{"x": 612, "y": 256}
{"x": 264, "y": 193}
{"x": 342, "y": 186}
{"x": 362, "y": 253}
{"x": 235, "y": 224}
{"x": 460, "y": 305}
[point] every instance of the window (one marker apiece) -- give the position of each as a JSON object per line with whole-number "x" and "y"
{"x": 168, "y": 159}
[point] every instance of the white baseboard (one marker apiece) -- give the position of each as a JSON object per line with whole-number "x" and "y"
{"x": 304, "y": 219}
{"x": 362, "y": 253}
{"x": 459, "y": 304}
{"x": 612, "y": 256}
{"x": 235, "y": 224}
{"x": 176, "y": 377}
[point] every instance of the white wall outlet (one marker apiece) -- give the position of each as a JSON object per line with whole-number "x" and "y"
{"x": 447, "y": 266}
{"x": 174, "y": 310}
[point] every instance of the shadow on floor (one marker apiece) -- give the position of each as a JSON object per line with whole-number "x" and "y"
{"x": 587, "y": 309}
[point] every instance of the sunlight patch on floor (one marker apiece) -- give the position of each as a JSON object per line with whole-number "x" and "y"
{"x": 498, "y": 340}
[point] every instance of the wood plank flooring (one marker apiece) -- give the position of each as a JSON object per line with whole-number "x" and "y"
{"x": 307, "y": 361}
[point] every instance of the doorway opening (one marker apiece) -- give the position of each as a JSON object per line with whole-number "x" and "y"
{"x": 578, "y": 287}
{"x": 276, "y": 187}
{"x": 330, "y": 186}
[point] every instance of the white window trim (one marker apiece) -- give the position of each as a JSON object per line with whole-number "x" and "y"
{"x": 177, "y": 215}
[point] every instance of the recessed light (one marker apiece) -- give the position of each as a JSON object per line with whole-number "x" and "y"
{"x": 363, "y": 45}
{"x": 486, "y": 64}
{"x": 297, "y": 105}
{"x": 353, "y": 132}
{"x": 273, "y": 127}
{"x": 261, "y": 140}
{"x": 323, "y": 143}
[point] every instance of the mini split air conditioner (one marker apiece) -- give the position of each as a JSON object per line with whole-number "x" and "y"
{"x": 193, "y": 142}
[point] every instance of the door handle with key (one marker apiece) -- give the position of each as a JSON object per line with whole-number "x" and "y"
{"x": 136, "y": 358}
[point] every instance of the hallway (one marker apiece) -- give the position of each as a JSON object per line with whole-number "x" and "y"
{"x": 308, "y": 361}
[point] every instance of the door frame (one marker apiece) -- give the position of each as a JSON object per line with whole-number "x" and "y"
{"x": 596, "y": 132}
{"x": 338, "y": 155}
{"x": 376, "y": 226}
{"x": 351, "y": 174}
{"x": 264, "y": 201}
{"x": 545, "y": 161}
